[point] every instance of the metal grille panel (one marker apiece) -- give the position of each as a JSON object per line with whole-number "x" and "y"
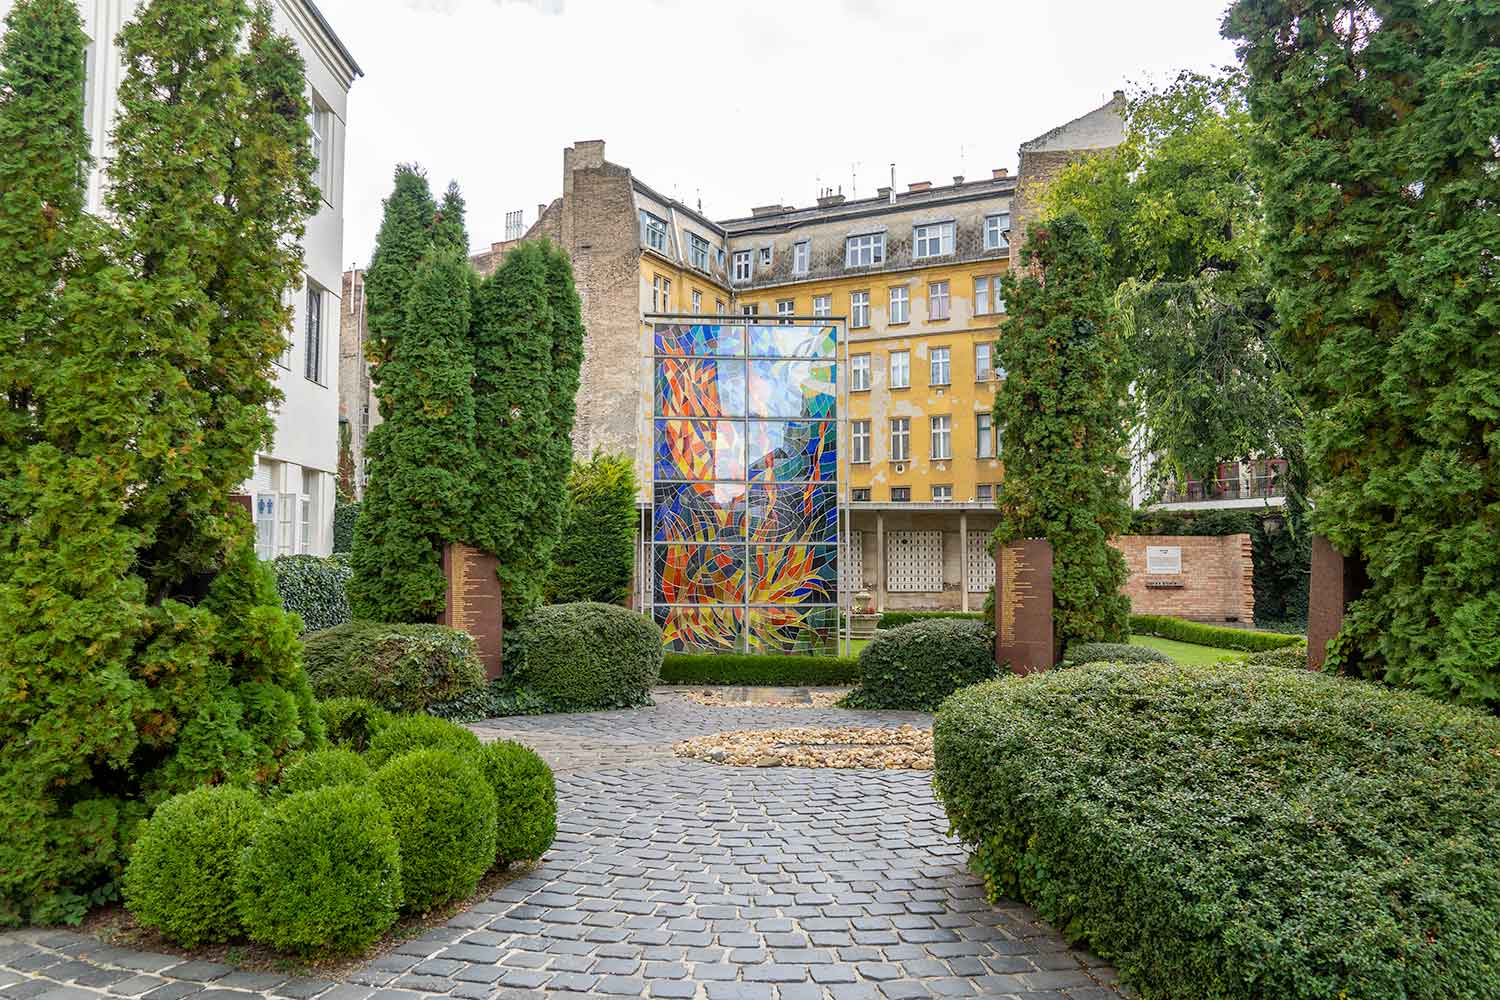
{"x": 914, "y": 562}
{"x": 981, "y": 564}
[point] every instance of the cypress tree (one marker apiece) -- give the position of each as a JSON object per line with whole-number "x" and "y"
{"x": 1378, "y": 151}
{"x": 404, "y": 238}
{"x": 1062, "y": 416}
{"x": 595, "y": 555}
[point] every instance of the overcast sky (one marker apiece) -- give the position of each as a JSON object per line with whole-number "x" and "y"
{"x": 733, "y": 103}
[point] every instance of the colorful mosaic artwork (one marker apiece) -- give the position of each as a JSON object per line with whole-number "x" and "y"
{"x": 745, "y": 516}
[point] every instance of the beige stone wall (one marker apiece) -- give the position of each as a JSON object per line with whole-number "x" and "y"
{"x": 1215, "y": 585}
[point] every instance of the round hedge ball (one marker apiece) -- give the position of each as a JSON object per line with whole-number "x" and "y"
{"x": 443, "y": 810}
{"x": 419, "y": 732}
{"x": 332, "y": 766}
{"x": 589, "y": 656}
{"x": 322, "y": 873}
{"x": 184, "y": 865}
{"x": 525, "y": 798}
{"x": 916, "y": 666}
{"x": 353, "y": 722}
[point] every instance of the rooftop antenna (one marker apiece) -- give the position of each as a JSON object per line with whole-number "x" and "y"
{"x": 700, "y": 201}
{"x": 853, "y": 181}
{"x": 893, "y": 184}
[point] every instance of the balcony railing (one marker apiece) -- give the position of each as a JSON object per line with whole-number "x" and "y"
{"x": 1248, "y": 488}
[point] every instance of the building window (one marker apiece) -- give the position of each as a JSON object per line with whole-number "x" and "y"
{"x": 901, "y": 494}
{"x": 321, "y": 121}
{"x": 994, "y": 231}
{"x": 987, "y": 296}
{"x": 900, "y": 369}
{"x": 999, "y": 296}
{"x": 765, "y": 256}
{"x": 859, "y": 372}
{"x": 265, "y": 525}
{"x": 720, "y": 307}
{"x": 698, "y": 251}
{"x": 785, "y": 308}
{"x": 859, "y": 309}
{"x": 307, "y": 510}
{"x": 801, "y": 257}
{"x": 985, "y": 492}
{"x": 861, "y": 494}
{"x": 859, "y": 441}
{"x": 942, "y": 438}
{"x": 939, "y": 367}
{"x": 986, "y": 435}
{"x": 314, "y": 363}
{"x": 719, "y": 257}
{"x": 661, "y": 294}
{"x": 900, "y": 304}
{"x": 751, "y": 310}
{"x": 900, "y": 439}
{"x": 983, "y": 362}
{"x": 864, "y": 251}
{"x": 937, "y": 300}
{"x": 932, "y": 241}
{"x": 653, "y": 232}
{"x": 697, "y": 301}
{"x": 942, "y": 494}
{"x": 744, "y": 265}
{"x": 822, "y": 305}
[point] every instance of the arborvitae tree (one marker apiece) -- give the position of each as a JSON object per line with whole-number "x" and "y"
{"x": 595, "y": 557}
{"x": 422, "y": 457}
{"x": 1062, "y": 416}
{"x": 145, "y": 647}
{"x": 404, "y": 239}
{"x": 448, "y": 229}
{"x": 528, "y": 341}
{"x": 1378, "y": 149}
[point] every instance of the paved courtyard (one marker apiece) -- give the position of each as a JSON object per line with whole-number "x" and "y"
{"x": 675, "y": 879}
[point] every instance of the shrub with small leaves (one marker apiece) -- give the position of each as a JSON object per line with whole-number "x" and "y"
{"x": 526, "y": 800}
{"x": 443, "y": 810}
{"x": 323, "y": 872}
{"x": 403, "y": 668}
{"x": 1112, "y": 652}
{"x": 183, "y": 868}
{"x": 420, "y": 732}
{"x": 589, "y": 656}
{"x": 1291, "y": 658}
{"x": 321, "y": 768}
{"x": 353, "y": 722}
{"x": 313, "y": 588}
{"x": 916, "y": 666}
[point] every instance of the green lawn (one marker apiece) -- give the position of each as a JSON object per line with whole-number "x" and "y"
{"x": 1188, "y": 652}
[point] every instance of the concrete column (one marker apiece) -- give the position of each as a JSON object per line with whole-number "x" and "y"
{"x": 963, "y": 557}
{"x": 879, "y": 560}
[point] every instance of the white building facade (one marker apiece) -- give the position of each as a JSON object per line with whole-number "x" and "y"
{"x": 291, "y": 490}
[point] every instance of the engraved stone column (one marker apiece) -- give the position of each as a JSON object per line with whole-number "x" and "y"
{"x": 474, "y": 604}
{"x": 1023, "y": 606}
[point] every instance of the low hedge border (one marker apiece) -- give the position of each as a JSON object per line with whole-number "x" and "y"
{"x": 895, "y": 619}
{"x": 759, "y": 670}
{"x": 1220, "y": 636}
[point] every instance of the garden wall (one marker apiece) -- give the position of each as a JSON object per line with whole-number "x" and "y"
{"x": 1213, "y": 582}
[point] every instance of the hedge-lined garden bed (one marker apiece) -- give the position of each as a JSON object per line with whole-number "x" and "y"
{"x": 759, "y": 671}
{"x": 895, "y": 619}
{"x": 1238, "y": 832}
{"x": 1222, "y": 636}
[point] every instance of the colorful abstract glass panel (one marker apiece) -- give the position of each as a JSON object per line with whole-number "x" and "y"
{"x": 793, "y": 630}
{"x": 700, "y": 340}
{"x": 706, "y": 629}
{"x": 699, "y": 450}
{"x": 793, "y": 342}
{"x": 698, "y": 512}
{"x": 794, "y": 574}
{"x": 792, "y": 389}
{"x": 700, "y": 574}
{"x": 792, "y": 451}
{"x": 700, "y": 387}
{"x": 794, "y": 513}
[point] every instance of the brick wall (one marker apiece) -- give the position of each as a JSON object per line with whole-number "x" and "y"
{"x": 1215, "y": 584}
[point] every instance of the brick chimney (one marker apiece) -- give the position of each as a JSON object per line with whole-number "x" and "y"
{"x": 999, "y": 173}
{"x": 830, "y": 199}
{"x": 589, "y": 153}
{"x": 915, "y": 186}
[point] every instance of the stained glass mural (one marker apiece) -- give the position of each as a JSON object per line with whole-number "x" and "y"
{"x": 745, "y": 512}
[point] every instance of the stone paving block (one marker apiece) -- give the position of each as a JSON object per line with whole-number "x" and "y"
{"x": 738, "y": 991}
{"x": 199, "y": 971}
{"x": 573, "y": 981}
{"x": 176, "y": 991}
{"x": 257, "y": 982}
{"x": 302, "y": 988}
{"x": 526, "y": 979}
{"x": 904, "y": 989}
{"x": 27, "y": 989}
{"x": 67, "y": 993}
{"x": 671, "y": 989}
{"x": 624, "y": 986}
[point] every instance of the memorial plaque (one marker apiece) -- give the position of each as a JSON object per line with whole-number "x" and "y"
{"x": 1023, "y": 606}
{"x": 474, "y": 604}
{"x": 1336, "y": 581}
{"x": 1164, "y": 560}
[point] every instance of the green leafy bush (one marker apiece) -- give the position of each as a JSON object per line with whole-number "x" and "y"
{"x": 595, "y": 556}
{"x": 443, "y": 811}
{"x": 1113, "y": 652}
{"x": 313, "y": 588}
{"x": 345, "y": 515}
{"x": 1289, "y": 658}
{"x": 526, "y": 800}
{"x": 185, "y": 862}
{"x": 589, "y": 656}
{"x": 322, "y": 872}
{"x": 1237, "y": 832}
{"x": 402, "y": 668}
{"x": 759, "y": 671}
{"x": 895, "y": 619}
{"x": 353, "y": 722}
{"x": 332, "y": 766}
{"x": 501, "y": 697}
{"x": 419, "y": 732}
{"x": 916, "y": 666}
{"x": 1220, "y": 636}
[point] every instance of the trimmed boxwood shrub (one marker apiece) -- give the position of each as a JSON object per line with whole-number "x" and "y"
{"x": 916, "y": 666}
{"x": 525, "y": 799}
{"x": 1113, "y": 652}
{"x": 345, "y": 515}
{"x": 1221, "y": 636}
{"x": 762, "y": 671}
{"x": 895, "y": 619}
{"x": 419, "y": 732}
{"x": 332, "y": 766}
{"x": 185, "y": 862}
{"x": 402, "y": 668}
{"x": 1290, "y": 658}
{"x": 323, "y": 872}
{"x": 589, "y": 656}
{"x": 353, "y": 722}
{"x": 443, "y": 811}
{"x": 1238, "y": 832}
{"x": 313, "y": 588}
